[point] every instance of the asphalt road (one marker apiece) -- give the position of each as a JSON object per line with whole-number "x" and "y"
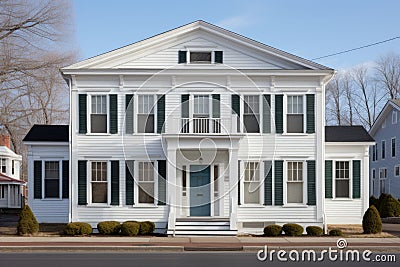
{"x": 204, "y": 259}
{"x": 391, "y": 228}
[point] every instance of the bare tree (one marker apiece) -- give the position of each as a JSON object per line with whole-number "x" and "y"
{"x": 333, "y": 100}
{"x": 388, "y": 74}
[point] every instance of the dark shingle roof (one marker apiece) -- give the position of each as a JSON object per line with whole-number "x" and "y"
{"x": 6, "y": 179}
{"x": 48, "y": 133}
{"x": 347, "y": 134}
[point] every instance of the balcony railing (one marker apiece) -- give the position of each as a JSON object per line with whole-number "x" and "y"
{"x": 201, "y": 125}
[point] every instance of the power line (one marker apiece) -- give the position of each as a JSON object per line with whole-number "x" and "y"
{"x": 358, "y": 48}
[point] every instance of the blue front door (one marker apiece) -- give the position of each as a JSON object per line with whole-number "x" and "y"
{"x": 200, "y": 190}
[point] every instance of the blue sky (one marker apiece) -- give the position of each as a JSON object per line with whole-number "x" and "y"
{"x": 307, "y": 28}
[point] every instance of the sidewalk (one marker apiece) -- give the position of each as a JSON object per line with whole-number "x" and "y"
{"x": 191, "y": 243}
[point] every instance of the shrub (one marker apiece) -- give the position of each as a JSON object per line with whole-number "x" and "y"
{"x": 372, "y": 223}
{"x": 373, "y": 201}
{"x": 273, "y": 230}
{"x": 388, "y": 206}
{"x": 109, "y": 227}
{"x": 78, "y": 228}
{"x": 27, "y": 223}
{"x": 314, "y": 230}
{"x": 335, "y": 232}
{"x": 293, "y": 229}
{"x": 147, "y": 228}
{"x": 130, "y": 228}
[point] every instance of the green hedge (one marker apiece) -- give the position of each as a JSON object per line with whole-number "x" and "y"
{"x": 78, "y": 228}
{"x": 109, "y": 227}
{"x": 147, "y": 228}
{"x": 372, "y": 223}
{"x": 130, "y": 228}
{"x": 27, "y": 223}
{"x": 335, "y": 232}
{"x": 273, "y": 230}
{"x": 293, "y": 229}
{"x": 388, "y": 206}
{"x": 314, "y": 230}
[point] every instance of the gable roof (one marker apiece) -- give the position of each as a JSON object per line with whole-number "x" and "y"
{"x": 390, "y": 104}
{"x": 6, "y": 179}
{"x": 91, "y": 63}
{"x": 47, "y": 133}
{"x": 6, "y": 152}
{"x": 347, "y": 134}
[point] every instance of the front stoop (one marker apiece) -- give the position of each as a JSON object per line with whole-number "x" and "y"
{"x": 198, "y": 226}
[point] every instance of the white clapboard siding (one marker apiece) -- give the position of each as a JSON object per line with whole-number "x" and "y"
{"x": 276, "y": 214}
{"x": 344, "y": 211}
{"x": 50, "y": 211}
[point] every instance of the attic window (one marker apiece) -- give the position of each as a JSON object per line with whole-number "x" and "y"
{"x": 200, "y": 57}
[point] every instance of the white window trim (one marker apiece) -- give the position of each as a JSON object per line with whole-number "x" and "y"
{"x": 89, "y": 184}
{"x": 394, "y": 117}
{"x": 285, "y": 181}
{"x": 394, "y": 170}
{"x": 383, "y": 158}
{"x": 136, "y": 183}
{"x": 3, "y": 196}
{"x": 350, "y": 180}
{"x": 260, "y": 186}
{"x": 200, "y": 49}
{"x": 391, "y": 148}
{"x": 285, "y": 113}
{"x": 44, "y": 181}
{"x": 260, "y": 113}
{"x": 5, "y": 164}
{"x": 373, "y": 171}
{"x": 136, "y": 113}
{"x": 89, "y": 108}
{"x": 383, "y": 168}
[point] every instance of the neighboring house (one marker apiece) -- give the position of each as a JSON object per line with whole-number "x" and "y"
{"x": 385, "y": 154}
{"x": 48, "y": 172}
{"x": 10, "y": 181}
{"x": 202, "y": 131}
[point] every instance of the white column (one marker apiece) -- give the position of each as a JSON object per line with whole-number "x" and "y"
{"x": 233, "y": 184}
{"x": 364, "y": 181}
{"x": 171, "y": 187}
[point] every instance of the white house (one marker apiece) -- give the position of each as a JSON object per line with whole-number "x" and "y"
{"x": 203, "y": 131}
{"x": 10, "y": 181}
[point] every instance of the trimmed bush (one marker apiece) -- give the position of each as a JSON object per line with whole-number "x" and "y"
{"x": 335, "y": 232}
{"x": 130, "y": 228}
{"x": 314, "y": 230}
{"x": 109, "y": 227}
{"x": 273, "y": 230}
{"x": 147, "y": 228}
{"x": 27, "y": 223}
{"x": 293, "y": 229}
{"x": 372, "y": 223}
{"x": 373, "y": 201}
{"x": 78, "y": 228}
{"x": 388, "y": 206}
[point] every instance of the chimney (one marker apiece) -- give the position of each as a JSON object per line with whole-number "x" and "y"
{"x": 5, "y": 140}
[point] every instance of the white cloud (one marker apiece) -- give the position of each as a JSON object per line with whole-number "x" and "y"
{"x": 236, "y": 22}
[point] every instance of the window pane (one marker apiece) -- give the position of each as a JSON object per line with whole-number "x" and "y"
{"x": 146, "y": 192}
{"x": 52, "y": 188}
{"x": 251, "y": 124}
{"x": 251, "y": 193}
{"x": 99, "y": 192}
{"x": 98, "y": 123}
{"x": 145, "y": 123}
{"x": 295, "y": 123}
{"x": 295, "y": 192}
{"x": 200, "y": 57}
{"x": 146, "y": 104}
{"x": 342, "y": 188}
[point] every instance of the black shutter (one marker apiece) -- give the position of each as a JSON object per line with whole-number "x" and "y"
{"x": 37, "y": 179}
{"x": 82, "y": 104}
{"x": 129, "y": 114}
{"x": 115, "y": 182}
{"x": 311, "y": 193}
{"x": 218, "y": 57}
{"x": 356, "y": 178}
{"x": 267, "y": 114}
{"x": 129, "y": 183}
{"x": 278, "y": 165}
{"x": 328, "y": 178}
{"x": 235, "y": 101}
{"x": 65, "y": 179}
{"x": 113, "y": 114}
{"x": 162, "y": 182}
{"x": 160, "y": 113}
{"x": 279, "y": 114}
{"x": 182, "y": 57}
{"x": 82, "y": 180}
{"x": 310, "y": 103}
{"x": 185, "y": 106}
{"x": 268, "y": 183}
{"x": 216, "y": 110}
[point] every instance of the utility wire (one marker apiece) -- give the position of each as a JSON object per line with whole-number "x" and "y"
{"x": 358, "y": 48}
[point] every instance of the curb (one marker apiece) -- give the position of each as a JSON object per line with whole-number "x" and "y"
{"x": 93, "y": 248}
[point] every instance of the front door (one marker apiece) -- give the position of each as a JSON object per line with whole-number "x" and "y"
{"x": 200, "y": 190}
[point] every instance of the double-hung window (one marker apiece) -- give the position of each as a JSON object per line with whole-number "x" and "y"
{"x": 383, "y": 149}
{"x": 251, "y": 183}
{"x": 98, "y": 116}
{"x": 99, "y": 182}
{"x": 397, "y": 170}
{"x": 295, "y": 114}
{"x": 3, "y": 191}
{"x": 394, "y": 117}
{"x": 201, "y": 113}
{"x": 295, "y": 182}
{"x": 145, "y": 116}
{"x": 382, "y": 180}
{"x": 3, "y": 165}
{"x": 251, "y": 114}
{"x": 52, "y": 179}
{"x": 342, "y": 179}
{"x": 393, "y": 147}
{"x": 146, "y": 183}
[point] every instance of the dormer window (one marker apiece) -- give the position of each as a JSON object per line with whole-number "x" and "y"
{"x": 200, "y": 57}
